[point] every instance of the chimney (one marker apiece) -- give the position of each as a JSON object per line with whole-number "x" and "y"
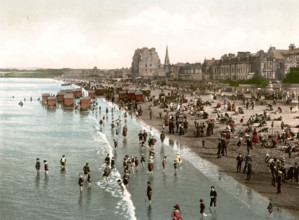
{"x": 292, "y": 47}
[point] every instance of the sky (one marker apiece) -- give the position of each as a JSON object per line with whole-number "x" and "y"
{"x": 105, "y": 33}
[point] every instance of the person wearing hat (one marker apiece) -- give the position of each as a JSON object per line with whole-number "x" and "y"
{"x": 63, "y": 162}
{"x": 213, "y": 195}
{"x": 46, "y": 167}
{"x": 176, "y": 214}
{"x": 37, "y": 165}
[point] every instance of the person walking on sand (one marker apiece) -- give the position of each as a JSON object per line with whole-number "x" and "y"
{"x": 247, "y": 160}
{"x": 203, "y": 143}
{"x": 279, "y": 182}
{"x": 219, "y": 146}
{"x": 176, "y": 214}
{"x": 249, "y": 171}
{"x": 255, "y": 137}
{"x": 80, "y": 182}
{"x": 249, "y": 145}
{"x": 213, "y": 196}
{"x": 270, "y": 207}
{"x": 202, "y": 207}
{"x": 46, "y": 167}
{"x": 239, "y": 162}
{"x": 37, "y": 165}
{"x": 149, "y": 192}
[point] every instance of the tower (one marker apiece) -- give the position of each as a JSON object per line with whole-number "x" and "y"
{"x": 166, "y": 61}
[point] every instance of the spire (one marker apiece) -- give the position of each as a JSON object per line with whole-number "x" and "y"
{"x": 166, "y": 61}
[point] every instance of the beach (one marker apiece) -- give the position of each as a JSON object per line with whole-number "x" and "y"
{"x": 261, "y": 175}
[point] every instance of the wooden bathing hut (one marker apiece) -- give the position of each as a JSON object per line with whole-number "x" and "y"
{"x": 51, "y": 102}
{"x": 84, "y": 103}
{"x": 92, "y": 94}
{"x": 123, "y": 95}
{"x": 45, "y": 97}
{"x": 99, "y": 91}
{"x": 131, "y": 95}
{"x": 139, "y": 97}
{"x": 68, "y": 100}
{"x": 77, "y": 93}
{"x": 60, "y": 96}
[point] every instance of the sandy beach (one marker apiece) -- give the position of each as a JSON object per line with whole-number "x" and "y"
{"x": 261, "y": 175}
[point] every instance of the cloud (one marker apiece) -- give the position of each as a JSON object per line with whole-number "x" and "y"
{"x": 55, "y": 45}
{"x": 159, "y": 20}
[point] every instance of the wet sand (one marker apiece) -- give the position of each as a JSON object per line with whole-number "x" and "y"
{"x": 261, "y": 176}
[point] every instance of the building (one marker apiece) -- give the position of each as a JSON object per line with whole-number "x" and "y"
{"x": 276, "y": 63}
{"x": 273, "y": 64}
{"x": 146, "y": 64}
{"x": 190, "y": 71}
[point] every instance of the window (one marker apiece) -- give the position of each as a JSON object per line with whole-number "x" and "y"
{"x": 145, "y": 65}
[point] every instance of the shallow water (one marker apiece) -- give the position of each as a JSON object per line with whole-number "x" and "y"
{"x": 34, "y": 131}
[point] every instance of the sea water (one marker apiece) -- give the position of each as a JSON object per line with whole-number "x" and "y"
{"x": 34, "y": 131}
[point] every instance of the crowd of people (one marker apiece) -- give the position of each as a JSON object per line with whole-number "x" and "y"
{"x": 178, "y": 122}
